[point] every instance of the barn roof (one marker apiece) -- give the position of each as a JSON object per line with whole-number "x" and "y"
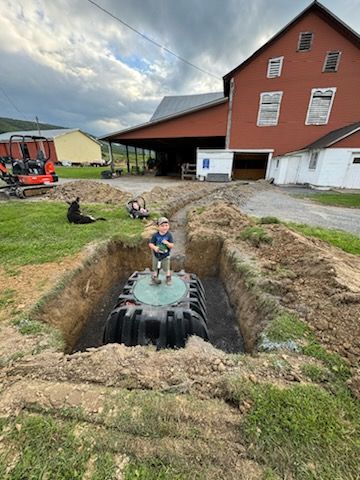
{"x": 49, "y": 134}
{"x": 173, "y": 108}
{"x": 313, "y": 7}
{"x": 171, "y": 105}
{"x": 334, "y": 136}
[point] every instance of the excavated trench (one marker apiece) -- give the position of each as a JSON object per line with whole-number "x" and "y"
{"x": 81, "y": 308}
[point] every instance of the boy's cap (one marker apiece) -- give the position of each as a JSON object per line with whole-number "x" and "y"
{"x": 162, "y": 220}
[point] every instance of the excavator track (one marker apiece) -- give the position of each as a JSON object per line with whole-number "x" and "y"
{"x": 33, "y": 191}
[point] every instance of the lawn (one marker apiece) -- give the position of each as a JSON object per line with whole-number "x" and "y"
{"x": 38, "y": 232}
{"x": 348, "y": 242}
{"x": 351, "y": 200}
{"x": 80, "y": 172}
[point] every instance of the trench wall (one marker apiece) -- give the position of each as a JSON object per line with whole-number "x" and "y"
{"x": 69, "y": 305}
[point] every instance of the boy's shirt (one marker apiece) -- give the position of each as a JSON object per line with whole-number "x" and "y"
{"x": 157, "y": 239}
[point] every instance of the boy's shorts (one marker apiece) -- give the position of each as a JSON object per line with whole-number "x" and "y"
{"x": 165, "y": 264}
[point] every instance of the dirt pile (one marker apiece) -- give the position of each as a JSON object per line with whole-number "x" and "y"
{"x": 89, "y": 192}
{"x": 318, "y": 282}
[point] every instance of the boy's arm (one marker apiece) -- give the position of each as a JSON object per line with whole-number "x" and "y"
{"x": 153, "y": 247}
{"x": 169, "y": 243}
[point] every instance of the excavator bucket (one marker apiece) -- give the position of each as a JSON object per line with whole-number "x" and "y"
{"x": 161, "y": 315}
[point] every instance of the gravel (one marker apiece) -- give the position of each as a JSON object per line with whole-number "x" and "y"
{"x": 272, "y": 202}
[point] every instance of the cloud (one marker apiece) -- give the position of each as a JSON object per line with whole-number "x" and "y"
{"x": 71, "y": 64}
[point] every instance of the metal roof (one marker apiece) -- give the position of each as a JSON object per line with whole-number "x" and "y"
{"x": 334, "y": 136}
{"x": 49, "y": 134}
{"x": 172, "y": 105}
{"x": 153, "y": 121}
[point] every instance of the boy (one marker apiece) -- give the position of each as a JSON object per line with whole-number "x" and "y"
{"x": 161, "y": 244}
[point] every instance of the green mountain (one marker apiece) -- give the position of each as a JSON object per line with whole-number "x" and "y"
{"x": 14, "y": 125}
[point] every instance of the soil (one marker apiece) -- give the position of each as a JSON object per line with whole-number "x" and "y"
{"x": 320, "y": 283}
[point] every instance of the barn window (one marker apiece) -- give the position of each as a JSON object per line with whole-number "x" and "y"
{"x": 331, "y": 63}
{"x": 313, "y": 160}
{"x": 321, "y": 101}
{"x": 274, "y": 67}
{"x": 269, "y": 108}
{"x": 305, "y": 41}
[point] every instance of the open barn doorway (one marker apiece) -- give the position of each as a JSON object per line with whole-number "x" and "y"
{"x": 250, "y": 165}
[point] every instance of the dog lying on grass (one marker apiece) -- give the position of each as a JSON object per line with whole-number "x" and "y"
{"x": 74, "y": 214}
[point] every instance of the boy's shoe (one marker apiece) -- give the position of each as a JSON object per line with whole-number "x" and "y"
{"x": 155, "y": 280}
{"x": 168, "y": 280}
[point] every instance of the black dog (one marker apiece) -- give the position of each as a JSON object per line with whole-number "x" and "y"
{"x": 74, "y": 214}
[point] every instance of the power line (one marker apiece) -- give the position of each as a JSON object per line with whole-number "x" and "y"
{"x": 10, "y": 101}
{"x": 152, "y": 41}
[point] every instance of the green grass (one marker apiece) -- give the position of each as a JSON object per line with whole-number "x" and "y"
{"x": 42, "y": 448}
{"x": 287, "y": 327}
{"x": 38, "y": 232}
{"x": 348, "y": 242}
{"x": 302, "y": 432}
{"x": 255, "y": 236}
{"x": 7, "y": 297}
{"x": 351, "y": 200}
{"x": 80, "y": 172}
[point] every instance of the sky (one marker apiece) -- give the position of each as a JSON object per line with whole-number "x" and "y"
{"x": 70, "y": 64}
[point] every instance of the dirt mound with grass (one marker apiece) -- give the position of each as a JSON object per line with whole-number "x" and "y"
{"x": 320, "y": 283}
{"x": 89, "y": 192}
{"x": 187, "y": 409}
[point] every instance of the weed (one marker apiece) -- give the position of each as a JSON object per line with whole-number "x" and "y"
{"x": 28, "y": 326}
{"x": 334, "y": 362}
{"x": 48, "y": 449}
{"x": 301, "y": 432}
{"x": 255, "y": 235}
{"x": 316, "y": 373}
{"x": 152, "y": 470}
{"x": 285, "y": 327}
{"x": 268, "y": 220}
{"x": 7, "y": 297}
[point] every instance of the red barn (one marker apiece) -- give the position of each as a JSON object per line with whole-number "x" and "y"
{"x": 297, "y": 88}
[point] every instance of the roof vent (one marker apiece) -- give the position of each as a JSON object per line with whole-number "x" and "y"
{"x": 331, "y": 62}
{"x": 305, "y": 41}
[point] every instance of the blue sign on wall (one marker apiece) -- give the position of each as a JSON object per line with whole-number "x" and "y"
{"x": 206, "y": 163}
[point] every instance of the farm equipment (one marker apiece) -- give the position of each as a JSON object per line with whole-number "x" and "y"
{"x": 161, "y": 315}
{"x": 30, "y": 175}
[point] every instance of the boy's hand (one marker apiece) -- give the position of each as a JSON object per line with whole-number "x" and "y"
{"x": 165, "y": 242}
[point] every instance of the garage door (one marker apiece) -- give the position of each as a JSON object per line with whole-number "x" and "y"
{"x": 250, "y": 166}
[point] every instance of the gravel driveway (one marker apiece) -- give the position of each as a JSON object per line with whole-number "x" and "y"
{"x": 277, "y": 203}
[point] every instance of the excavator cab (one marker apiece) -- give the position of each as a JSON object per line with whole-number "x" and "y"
{"x": 32, "y": 171}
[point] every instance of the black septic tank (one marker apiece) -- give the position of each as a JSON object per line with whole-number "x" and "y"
{"x": 162, "y": 315}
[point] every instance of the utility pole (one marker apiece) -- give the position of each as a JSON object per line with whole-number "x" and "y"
{"x": 38, "y": 126}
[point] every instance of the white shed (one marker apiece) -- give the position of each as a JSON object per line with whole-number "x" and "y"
{"x": 332, "y": 161}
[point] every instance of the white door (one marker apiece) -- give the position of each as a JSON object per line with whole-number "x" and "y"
{"x": 292, "y": 170}
{"x": 352, "y": 175}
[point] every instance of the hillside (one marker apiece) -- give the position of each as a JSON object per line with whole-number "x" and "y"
{"x": 13, "y": 125}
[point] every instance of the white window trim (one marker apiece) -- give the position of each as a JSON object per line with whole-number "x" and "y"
{"x": 259, "y": 110}
{"x": 337, "y": 63}
{"x": 281, "y": 59}
{"x": 333, "y": 89}
{"x": 299, "y": 42}
{"x": 314, "y": 153}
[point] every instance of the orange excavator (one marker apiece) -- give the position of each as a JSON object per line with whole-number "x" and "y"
{"x": 28, "y": 176}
